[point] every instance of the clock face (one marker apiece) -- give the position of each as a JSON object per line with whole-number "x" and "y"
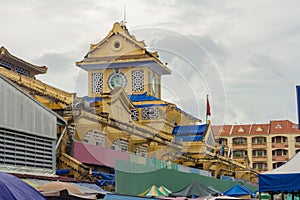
{"x": 116, "y": 80}
{"x": 154, "y": 84}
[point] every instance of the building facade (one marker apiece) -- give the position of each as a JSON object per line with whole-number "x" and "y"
{"x": 123, "y": 115}
{"x": 260, "y": 146}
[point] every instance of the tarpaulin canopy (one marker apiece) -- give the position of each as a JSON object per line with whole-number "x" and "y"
{"x": 194, "y": 189}
{"x": 12, "y": 188}
{"x": 134, "y": 178}
{"x": 58, "y": 186}
{"x": 104, "y": 176}
{"x": 105, "y": 182}
{"x": 109, "y": 196}
{"x": 238, "y": 191}
{"x": 285, "y": 178}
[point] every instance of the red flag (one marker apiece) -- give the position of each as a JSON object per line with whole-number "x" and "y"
{"x": 207, "y": 107}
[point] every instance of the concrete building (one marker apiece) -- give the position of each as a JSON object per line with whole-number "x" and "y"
{"x": 260, "y": 146}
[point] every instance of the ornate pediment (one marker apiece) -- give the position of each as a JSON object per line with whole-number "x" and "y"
{"x": 119, "y": 49}
{"x": 117, "y": 43}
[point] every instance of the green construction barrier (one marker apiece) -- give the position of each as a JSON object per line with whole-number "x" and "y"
{"x": 133, "y": 179}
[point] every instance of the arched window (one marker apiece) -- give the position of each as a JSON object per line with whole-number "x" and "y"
{"x": 259, "y": 153}
{"x": 239, "y": 153}
{"x": 239, "y": 140}
{"x": 279, "y": 139}
{"x": 260, "y": 166}
{"x": 280, "y": 152}
{"x": 259, "y": 140}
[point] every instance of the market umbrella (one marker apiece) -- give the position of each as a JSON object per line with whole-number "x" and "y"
{"x": 195, "y": 189}
{"x": 239, "y": 191}
{"x": 63, "y": 190}
{"x": 152, "y": 191}
{"x": 164, "y": 190}
{"x": 59, "y": 186}
{"x": 12, "y": 188}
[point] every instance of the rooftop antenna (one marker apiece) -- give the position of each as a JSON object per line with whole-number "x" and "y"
{"x": 123, "y": 22}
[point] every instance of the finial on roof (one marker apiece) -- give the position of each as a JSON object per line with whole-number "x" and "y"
{"x": 3, "y": 50}
{"x": 123, "y": 22}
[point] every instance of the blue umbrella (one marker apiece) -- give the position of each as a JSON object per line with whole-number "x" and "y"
{"x": 12, "y": 188}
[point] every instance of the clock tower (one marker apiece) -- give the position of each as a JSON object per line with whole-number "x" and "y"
{"x": 119, "y": 60}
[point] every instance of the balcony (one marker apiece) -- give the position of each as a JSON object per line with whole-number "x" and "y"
{"x": 280, "y": 145}
{"x": 239, "y": 146}
{"x": 280, "y": 158}
{"x": 260, "y": 159}
{"x": 239, "y": 159}
{"x": 259, "y": 146}
{"x": 297, "y": 145}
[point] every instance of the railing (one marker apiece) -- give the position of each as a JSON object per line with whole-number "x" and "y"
{"x": 280, "y": 145}
{"x": 240, "y": 146}
{"x": 280, "y": 158}
{"x": 259, "y": 146}
{"x": 259, "y": 158}
{"x": 38, "y": 86}
{"x": 77, "y": 168}
{"x": 297, "y": 144}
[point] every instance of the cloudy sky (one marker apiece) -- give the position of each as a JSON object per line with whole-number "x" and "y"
{"x": 244, "y": 54}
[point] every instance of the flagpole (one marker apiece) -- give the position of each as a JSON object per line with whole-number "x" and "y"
{"x": 206, "y": 109}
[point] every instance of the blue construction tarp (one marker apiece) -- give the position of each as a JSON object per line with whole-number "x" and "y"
{"x": 107, "y": 179}
{"x": 142, "y": 97}
{"x": 239, "y": 190}
{"x": 12, "y": 188}
{"x": 192, "y": 138}
{"x": 150, "y": 105}
{"x": 62, "y": 171}
{"x": 105, "y": 182}
{"x": 133, "y": 98}
{"x": 190, "y": 130}
{"x": 106, "y": 176}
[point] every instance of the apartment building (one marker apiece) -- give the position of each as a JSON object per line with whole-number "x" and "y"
{"x": 260, "y": 146}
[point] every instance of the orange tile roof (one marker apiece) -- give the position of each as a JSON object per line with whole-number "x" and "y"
{"x": 274, "y": 127}
{"x": 222, "y": 130}
{"x": 283, "y": 127}
{"x": 259, "y": 129}
{"x": 241, "y": 129}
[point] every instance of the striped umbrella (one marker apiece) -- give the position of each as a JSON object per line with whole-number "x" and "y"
{"x": 164, "y": 190}
{"x": 152, "y": 191}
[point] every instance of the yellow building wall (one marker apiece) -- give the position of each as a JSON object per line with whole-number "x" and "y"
{"x": 148, "y": 73}
{"x": 109, "y": 49}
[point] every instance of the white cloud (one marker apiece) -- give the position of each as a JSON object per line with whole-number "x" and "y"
{"x": 243, "y": 53}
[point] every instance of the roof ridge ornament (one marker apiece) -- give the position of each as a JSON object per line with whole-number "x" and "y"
{"x": 123, "y": 21}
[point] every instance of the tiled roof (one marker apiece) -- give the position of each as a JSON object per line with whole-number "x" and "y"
{"x": 259, "y": 129}
{"x": 274, "y": 127}
{"x": 4, "y": 52}
{"x": 241, "y": 129}
{"x": 222, "y": 130}
{"x": 283, "y": 126}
